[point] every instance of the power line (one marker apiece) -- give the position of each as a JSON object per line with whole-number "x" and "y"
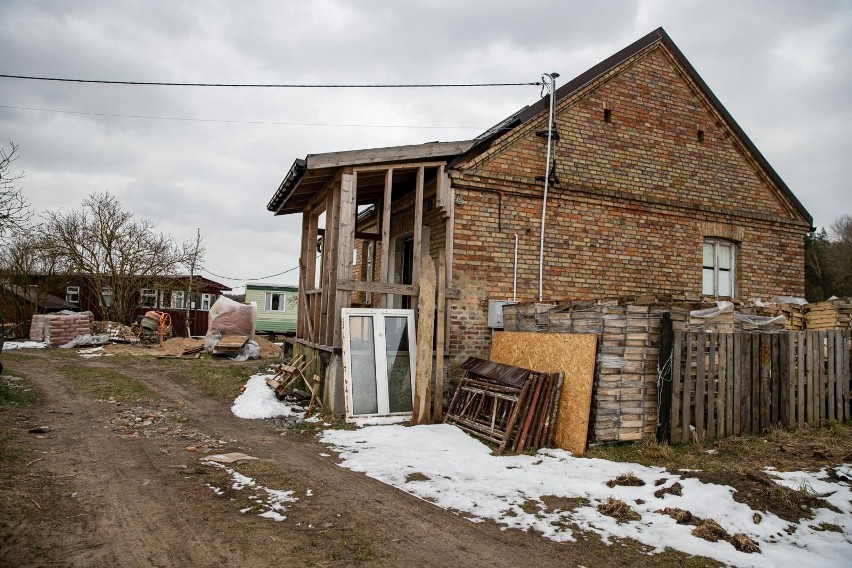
{"x": 247, "y": 279}
{"x": 226, "y": 121}
{"x": 274, "y": 85}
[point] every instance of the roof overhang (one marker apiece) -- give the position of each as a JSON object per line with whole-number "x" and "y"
{"x": 307, "y": 177}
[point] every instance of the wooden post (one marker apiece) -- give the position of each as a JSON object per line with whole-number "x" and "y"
{"x": 418, "y": 225}
{"x": 665, "y": 361}
{"x": 685, "y": 402}
{"x": 439, "y": 344}
{"x": 425, "y": 331}
{"x": 675, "y": 432}
{"x": 387, "y": 299}
{"x": 345, "y": 242}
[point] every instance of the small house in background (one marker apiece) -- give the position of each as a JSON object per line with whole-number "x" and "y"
{"x": 276, "y": 307}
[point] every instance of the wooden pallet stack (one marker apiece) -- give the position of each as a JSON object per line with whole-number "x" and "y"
{"x": 526, "y": 317}
{"x": 509, "y": 406}
{"x": 831, "y": 314}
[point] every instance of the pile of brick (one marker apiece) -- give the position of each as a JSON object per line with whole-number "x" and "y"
{"x": 58, "y": 329}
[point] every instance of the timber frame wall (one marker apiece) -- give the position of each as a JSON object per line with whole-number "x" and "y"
{"x": 319, "y": 315}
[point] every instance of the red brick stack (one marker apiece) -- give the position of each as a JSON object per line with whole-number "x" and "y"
{"x": 58, "y": 329}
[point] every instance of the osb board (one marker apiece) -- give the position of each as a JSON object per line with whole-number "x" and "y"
{"x": 570, "y": 353}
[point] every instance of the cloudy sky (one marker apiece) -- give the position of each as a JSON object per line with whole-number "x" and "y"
{"x": 783, "y": 69}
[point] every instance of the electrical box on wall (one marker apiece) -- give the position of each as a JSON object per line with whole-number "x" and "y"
{"x": 495, "y": 312}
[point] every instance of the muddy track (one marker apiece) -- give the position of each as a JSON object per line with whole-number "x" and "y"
{"x": 136, "y": 501}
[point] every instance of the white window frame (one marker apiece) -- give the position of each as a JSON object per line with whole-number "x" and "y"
{"x": 380, "y": 346}
{"x": 72, "y": 294}
{"x": 282, "y": 302}
{"x": 717, "y": 244}
{"x": 206, "y": 302}
{"x": 148, "y": 297}
{"x": 178, "y": 300}
{"x": 106, "y": 295}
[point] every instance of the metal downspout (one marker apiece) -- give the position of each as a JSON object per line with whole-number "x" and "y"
{"x": 552, "y": 77}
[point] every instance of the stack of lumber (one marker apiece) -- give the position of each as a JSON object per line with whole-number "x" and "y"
{"x": 713, "y": 320}
{"x": 509, "y": 406}
{"x": 59, "y": 329}
{"x": 831, "y": 314}
{"x": 526, "y": 317}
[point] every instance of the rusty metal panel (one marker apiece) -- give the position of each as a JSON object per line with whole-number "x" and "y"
{"x": 497, "y": 372}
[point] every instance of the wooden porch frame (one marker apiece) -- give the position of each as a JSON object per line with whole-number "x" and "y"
{"x": 319, "y": 320}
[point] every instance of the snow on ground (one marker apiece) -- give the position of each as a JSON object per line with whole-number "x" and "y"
{"x": 271, "y": 506}
{"x": 23, "y": 345}
{"x": 258, "y": 401}
{"x": 458, "y": 472}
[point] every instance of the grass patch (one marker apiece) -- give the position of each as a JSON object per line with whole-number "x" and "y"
{"x": 626, "y": 480}
{"x": 104, "y": 384}
{"x": 17, "y": 392}
{"x": 220, "y": 379}
{"x": 806, "y": 447}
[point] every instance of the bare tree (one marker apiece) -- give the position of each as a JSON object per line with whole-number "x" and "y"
{"x": 192, "y": 256}
{"x": 840, "y": 256}
{"x": 14, "y": 209}
{"x": 29, "y": 271}
{"x": 115, "y": 254}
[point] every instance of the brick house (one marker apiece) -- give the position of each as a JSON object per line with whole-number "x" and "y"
{"x": 654, "y": 189}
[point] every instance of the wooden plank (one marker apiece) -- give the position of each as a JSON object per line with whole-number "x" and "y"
{"x": 746, "y": 380}
{"x": 722, "y": 393}
{"x": 774, "y": 376}
{"x": 687, "y": 390}
{"x": 329, "y": 259}
{"x": 811, "y": 355}
{"x": 737, "y": 380}
{"x": 345, "y": 242}
{"x": 664, "y": 388}
{"x": 841, "y": 354}
{"x": 359, "y": 235}
{"x": 730, "y": 374}
{"x": 784, "y": 379}
{"x": 710, "y": 389}
{"x": 765, "y": 376}
{"x": 800, "y": 377}
{"x": 754, "y": 427}
{"x": 425, "y": 330}
{"x": 448, "y": 251}
{"x": 571, "y": 354}
{"x": 675, "y": 433}
{"x": 700, "y": 383}
{"x": 438, "y": 398}
{"x": 387, "y": 299}
{"x": 231, "y": 342}
{"x": 820, "y": 377}
{"x": 846, "y": 366}
{"x": 418, "y": 225}
{"x": 377, "y": 287}
{"x": 394, "y": 153}
{"x": 831, "y": 377}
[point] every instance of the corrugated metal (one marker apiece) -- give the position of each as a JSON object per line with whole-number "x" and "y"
{"x": 497, "y": 372}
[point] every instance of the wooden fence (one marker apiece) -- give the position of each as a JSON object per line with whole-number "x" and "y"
{"x": 744, "y": 383}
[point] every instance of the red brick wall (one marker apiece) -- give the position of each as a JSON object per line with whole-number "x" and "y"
{"x": 635, "y": 199}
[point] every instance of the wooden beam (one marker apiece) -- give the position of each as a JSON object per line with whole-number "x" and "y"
{"x": 377, "y": 287}
{"x": 418, "y": 225}
{"x": 345, "y": 241}
{"x": 438, "y": 396}
{"x": 395, "y": 153}
{"x": 387, "y": 300}
{"x": 360, "y": 235}
{"x": 448, "y": 252}
{"x": 399, "y": 167}
{"x": 329, "y": 265}
{"x": 425, "y": 329}
{"x": 301, "y": 316}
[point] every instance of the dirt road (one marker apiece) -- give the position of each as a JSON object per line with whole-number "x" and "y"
{"x": 118, "y": 482}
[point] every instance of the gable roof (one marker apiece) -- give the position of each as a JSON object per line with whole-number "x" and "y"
{"x": 528, "y": 113}
{"x": 41, "y": 299}
{"x": 295, "y": 190}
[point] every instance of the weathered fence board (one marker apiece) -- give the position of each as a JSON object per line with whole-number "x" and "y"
{"x": 746, "y": 383}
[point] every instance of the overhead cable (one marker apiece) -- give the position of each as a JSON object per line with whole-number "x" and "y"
{"x": 273, "y": 85}
{"x": 226, "y": 121}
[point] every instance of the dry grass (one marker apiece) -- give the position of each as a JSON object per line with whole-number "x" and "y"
{"x": 681, "y": 516}
{"x": 619, "y": 510}
{"x": 626, "y": 480}
{"x": 708, "y": 529}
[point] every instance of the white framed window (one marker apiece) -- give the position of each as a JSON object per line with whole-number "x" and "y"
{"x": 378, "y": 362}
{"x": 368, "y": 268}
{"x": 276, "y": 302}
{"x": 178, "y": 299}
{"x": 72, "y": 294}
{"x": 206, "y": 301}
{"x": 106, "y": 294}
{"x": 718, "y": 268}
{"x": 148, "y": 297}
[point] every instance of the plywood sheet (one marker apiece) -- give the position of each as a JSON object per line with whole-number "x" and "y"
{"x": 570, "y": 353}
